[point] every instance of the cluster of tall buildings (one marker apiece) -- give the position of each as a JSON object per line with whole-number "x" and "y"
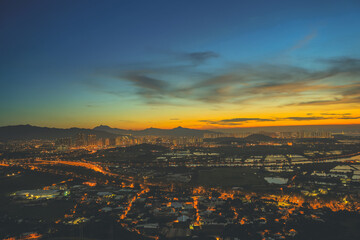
{"x": 295, "y": 134}
{"x": 304, "y": 134}
{"x": 81, "y": 140}
{"x": 221, "y": 135}
{"x": 91, "y": 140}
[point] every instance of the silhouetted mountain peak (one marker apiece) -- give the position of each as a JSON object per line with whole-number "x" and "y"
{"x": 102, "y": 127}
{"x": 258, "y": 137}
{"x": 176, "y": 132}
{"x": 33, "y": 132}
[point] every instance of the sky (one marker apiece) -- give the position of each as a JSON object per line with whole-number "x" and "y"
{"x": 197, "y": 64}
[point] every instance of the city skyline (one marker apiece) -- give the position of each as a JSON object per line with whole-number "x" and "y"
{"x": 143, "y": 120}
{"x": 168, "y": 64}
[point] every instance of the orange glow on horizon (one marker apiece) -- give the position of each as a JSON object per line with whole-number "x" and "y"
{"x": 202, "y": 117}
{"x": 195, "y": 124}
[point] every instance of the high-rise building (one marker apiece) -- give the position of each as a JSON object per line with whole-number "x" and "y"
{"x": 91, "y": 140}
{"x": 63, "y": 142}
{"x": 80, "y": 139}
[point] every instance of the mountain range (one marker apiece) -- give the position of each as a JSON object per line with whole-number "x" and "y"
{"x": 175, "y": 132}
{"x": 28, "y": 132}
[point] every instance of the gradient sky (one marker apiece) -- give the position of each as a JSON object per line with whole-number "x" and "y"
{"x": 199, "y": 64}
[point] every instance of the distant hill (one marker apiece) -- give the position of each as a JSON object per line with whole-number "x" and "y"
{"x": 28, "y": 132}
{"x": 258, "y": 138}
{"x": 108, "y": 129}
{"x": 175, "y": 132}
{"x": 250, "y": 138}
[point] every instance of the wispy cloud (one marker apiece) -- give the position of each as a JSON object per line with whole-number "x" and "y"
{"x": 187, "y": 79}
{"x": 240, "y": 121}
{"x": 304, "y": 41}
{"x": 305, "y": 118}
{"x": 237, "y": 121}
{"x": 200, "y": 57}
{"x": 145, "y": 82}
{"x": 247, "y": 120}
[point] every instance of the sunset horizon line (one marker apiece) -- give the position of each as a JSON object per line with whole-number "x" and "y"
{"x": 180, "y": 126}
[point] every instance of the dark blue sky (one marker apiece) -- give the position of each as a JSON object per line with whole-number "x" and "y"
{"x": 88, "y": 62}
